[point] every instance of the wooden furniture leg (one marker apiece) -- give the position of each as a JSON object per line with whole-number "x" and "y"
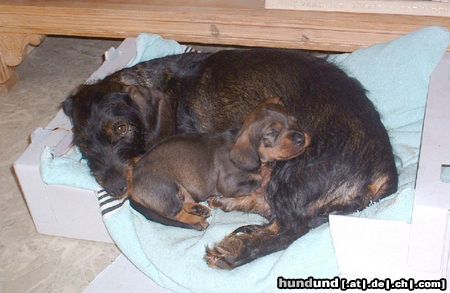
{"x": 12, "y": 52}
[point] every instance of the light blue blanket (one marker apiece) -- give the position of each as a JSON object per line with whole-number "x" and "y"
{"x": 396, "y": 75}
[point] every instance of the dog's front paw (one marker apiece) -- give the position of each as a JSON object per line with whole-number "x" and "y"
{"x": 216, "y": 258}
{"x": 227, "y": 254}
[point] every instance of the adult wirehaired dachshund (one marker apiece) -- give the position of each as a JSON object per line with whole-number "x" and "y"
{"x": 167, "y": 183}
{"x": 348, "y": 164}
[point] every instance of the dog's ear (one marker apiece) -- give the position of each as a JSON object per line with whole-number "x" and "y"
{"x": 156, "y": 108}
{"x": 138, "y": 95}
{"x": 68, "y": 104}
{"x": 244, "y": 153}
{"x": 165, "y": 120}
{"x": 67, "y": 107}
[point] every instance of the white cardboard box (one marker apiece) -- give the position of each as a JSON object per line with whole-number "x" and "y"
{"x": 421, "y": 249}
{"x": 56, "y": 209}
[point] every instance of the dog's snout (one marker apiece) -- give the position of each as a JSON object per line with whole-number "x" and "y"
{"x": 298, "y": 138}
{"x": 123, "y": 189}
{"x": 118, "y": 189}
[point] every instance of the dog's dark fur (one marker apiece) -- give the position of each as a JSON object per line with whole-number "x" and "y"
{"x": 349, "y": 163}
{"x": 172, "y": 186}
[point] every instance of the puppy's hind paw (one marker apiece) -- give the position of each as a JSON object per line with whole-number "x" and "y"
{"x": 200, "y": 226}
{"x": 198, "y": 210}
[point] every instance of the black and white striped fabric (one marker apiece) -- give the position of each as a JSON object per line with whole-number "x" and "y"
{"x": 191, "y": 50}
{"x": 108, "y": 204}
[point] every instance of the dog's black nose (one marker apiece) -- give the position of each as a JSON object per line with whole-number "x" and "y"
{"x": 298, "y": 138}
{"x": 117, "y": 190}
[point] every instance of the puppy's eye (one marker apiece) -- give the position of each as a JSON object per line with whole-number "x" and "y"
{"x": 121, "y": 128}
{"x": 270, "y": 136}
{"x": 272, "y": 132}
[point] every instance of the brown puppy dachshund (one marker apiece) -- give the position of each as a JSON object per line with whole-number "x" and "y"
{"x": 167, "y": 183}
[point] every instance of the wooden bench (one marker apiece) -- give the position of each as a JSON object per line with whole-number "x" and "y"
{"x": 221, "y": 22}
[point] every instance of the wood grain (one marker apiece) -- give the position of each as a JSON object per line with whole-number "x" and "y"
{"x": 12, "y": 51}
{"x": 241, "y": 23}
{"x": 408, "y": 7}
{"x": 8, "y": 77}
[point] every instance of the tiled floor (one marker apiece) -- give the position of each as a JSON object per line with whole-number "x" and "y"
{"x": 30, "y": 262}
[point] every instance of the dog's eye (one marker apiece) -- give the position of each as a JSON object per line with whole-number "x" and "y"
{"x": 121, "y": 128}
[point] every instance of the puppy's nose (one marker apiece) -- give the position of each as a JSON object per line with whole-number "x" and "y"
{"x": 298, "y": 138}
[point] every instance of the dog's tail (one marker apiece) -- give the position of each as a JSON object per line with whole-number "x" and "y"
{"x": 152, "y": 216}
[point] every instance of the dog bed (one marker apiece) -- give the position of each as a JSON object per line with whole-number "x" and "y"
{"x": 396, "y": 76}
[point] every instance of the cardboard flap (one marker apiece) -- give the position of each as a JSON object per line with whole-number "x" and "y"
{"x": 397, "y": 249}
{"x": 435, "y": 150}
{"x": 370, "y": 248}
{"x": 115, "y": 59}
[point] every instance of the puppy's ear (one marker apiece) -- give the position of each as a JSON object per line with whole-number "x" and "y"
{"x": 244, "y": 153}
